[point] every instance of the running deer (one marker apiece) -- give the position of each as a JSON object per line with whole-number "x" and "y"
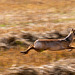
{"x": 52, "y": 44}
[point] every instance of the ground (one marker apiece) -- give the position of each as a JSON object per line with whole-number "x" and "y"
{"x": 35, "y": 17}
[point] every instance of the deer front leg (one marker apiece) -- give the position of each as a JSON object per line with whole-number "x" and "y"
{"x": 71, "y": 48}
{"x": 25, "y": 52}
{"x": 29, "y": 48}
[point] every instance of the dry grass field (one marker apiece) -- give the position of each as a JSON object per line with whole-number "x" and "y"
{"x": 35, "y": 16}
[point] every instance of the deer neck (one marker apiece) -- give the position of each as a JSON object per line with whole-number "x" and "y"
{"x": 69, "y": 38}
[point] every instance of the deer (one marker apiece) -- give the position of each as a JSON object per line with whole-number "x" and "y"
{"x": 52, "y": 44}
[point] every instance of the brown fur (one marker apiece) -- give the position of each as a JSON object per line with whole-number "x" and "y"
{"x": 52, "y": 44}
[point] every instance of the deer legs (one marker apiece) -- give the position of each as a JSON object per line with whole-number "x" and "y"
{"x": 25, "y": 52}
{"x": 70, "y": 48}
{"x": 29, "y": 48}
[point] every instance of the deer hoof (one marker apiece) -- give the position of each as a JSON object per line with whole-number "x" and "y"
{"x": 24, "y": 52}
{"x": 70, "y": 50}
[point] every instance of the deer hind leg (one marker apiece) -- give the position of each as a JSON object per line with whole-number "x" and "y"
{"x": 29, "y": 48}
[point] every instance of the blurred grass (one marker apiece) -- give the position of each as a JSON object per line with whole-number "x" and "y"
{"x": 2, "y": 25}
{"x": 63, "y": 20}
{"x": 13, "y": 56}
{"x": 23, "y": 13}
